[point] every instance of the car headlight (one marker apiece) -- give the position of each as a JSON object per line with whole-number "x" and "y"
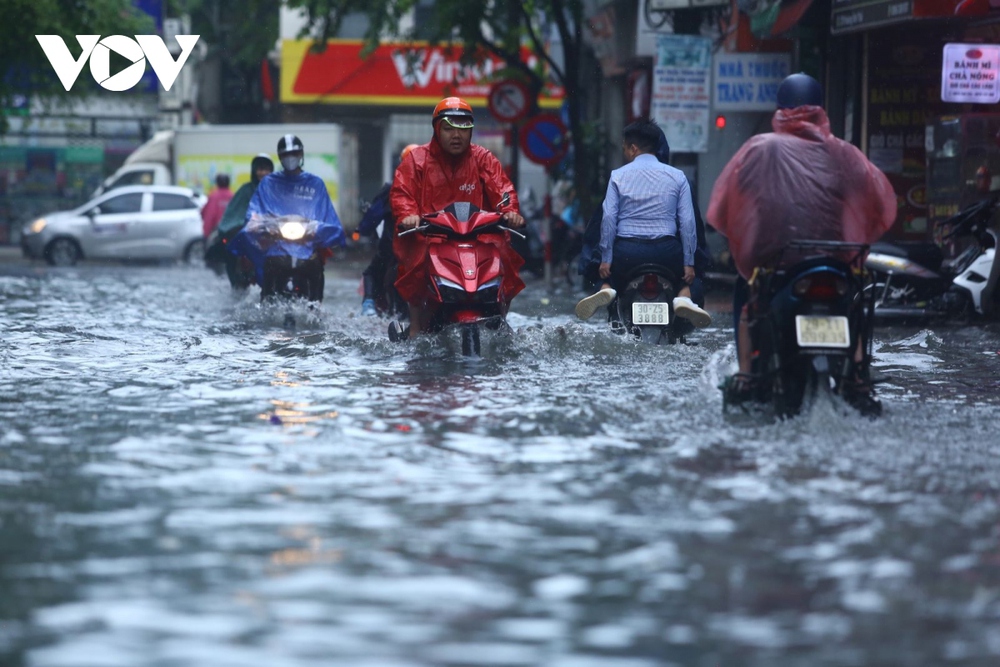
{"x": 37, "y": 226}
{"x": 292, "y": 231}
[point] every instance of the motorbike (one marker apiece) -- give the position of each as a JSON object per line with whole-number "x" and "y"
{"x": 239, "y": 270}
{"x": 469, "y": 283}
{"x": 914, "y": 281}
{"x": 645, "y": 306}
{"x": 287, "y": 254}
{"x": 811, "y": 327}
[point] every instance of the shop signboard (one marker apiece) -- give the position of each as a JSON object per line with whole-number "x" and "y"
{"x": 970, "y": 73}
{"x": 409, "y": 74}
{"x": 852, "y": 15}
{"x": 680, "y": 102}
{"x": 748, "y": 81}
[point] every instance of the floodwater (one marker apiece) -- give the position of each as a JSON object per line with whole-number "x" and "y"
{"x": 186, "y": 482}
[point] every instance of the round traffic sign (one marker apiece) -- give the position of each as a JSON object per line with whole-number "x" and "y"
{"x": 509, "y": 100}
{"x": 544, "y": 140}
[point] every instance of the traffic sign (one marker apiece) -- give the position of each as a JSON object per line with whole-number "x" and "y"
{"x": 509, "y": 101}
{"x": 544, "y": 140}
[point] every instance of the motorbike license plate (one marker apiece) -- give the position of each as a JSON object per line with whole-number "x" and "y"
{"x": 822, "y": 331}
{"x": 651, "y": 313}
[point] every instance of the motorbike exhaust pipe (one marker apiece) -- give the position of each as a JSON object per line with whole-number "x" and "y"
{"x": 901, "y": 313}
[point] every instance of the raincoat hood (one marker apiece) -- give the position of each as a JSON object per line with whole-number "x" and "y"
{"x": 806, "y": 122}
{"x": 259, "y": 161}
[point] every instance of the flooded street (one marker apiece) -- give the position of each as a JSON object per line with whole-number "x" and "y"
{"x": 186, "y": 482}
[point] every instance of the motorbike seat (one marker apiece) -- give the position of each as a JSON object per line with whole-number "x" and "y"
{"x": 928, "y": 255}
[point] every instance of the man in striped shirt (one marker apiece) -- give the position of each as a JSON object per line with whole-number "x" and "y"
{"x": 648, "y": 218}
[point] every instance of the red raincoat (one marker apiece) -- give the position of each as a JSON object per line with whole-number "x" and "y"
{"x": 798, "y": 183}
{"x": 428, "y": 180}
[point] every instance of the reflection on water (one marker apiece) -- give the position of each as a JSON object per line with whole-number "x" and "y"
{"x": 186, "y": 480}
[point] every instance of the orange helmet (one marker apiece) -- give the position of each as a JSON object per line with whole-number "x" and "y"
{"x": 456, "y": 111}
{"x": 406, "y": 151}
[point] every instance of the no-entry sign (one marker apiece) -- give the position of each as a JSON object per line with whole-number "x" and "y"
{"x": 544, "y": 140}
{"x": 509, "y": 101}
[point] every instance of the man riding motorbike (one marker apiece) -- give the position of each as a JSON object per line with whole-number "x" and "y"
{"x": 232, "y": 222}
{"x": 797, "y": 183}
{"x": 448, "y": 169}
{"x": 291, "y": 191}
{"x": 379, "y": 215}
{"x": 648, "y": 217}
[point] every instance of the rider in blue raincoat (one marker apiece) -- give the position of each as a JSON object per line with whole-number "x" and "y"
{"x": 291, "y": 191}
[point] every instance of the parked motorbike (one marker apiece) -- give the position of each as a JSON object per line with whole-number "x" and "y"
{"x": 811, "y": 329}
{"x": 915, "y": 282}
{"x": 469, "y": 283}
{"x": 645, "y": 306}
{"x": 287, "y": 254}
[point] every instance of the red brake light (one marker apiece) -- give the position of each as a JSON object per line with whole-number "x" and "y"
{"x": 820, "y": 287}
{"x": 650, "y": 287}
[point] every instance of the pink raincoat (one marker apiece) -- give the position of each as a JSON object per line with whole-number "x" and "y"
{"x": 798, "y": 183}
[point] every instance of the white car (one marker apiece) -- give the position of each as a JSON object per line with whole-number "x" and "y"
{"x": 138, "y": 222}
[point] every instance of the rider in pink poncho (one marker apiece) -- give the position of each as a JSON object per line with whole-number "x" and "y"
{"x": 797, "y": 183}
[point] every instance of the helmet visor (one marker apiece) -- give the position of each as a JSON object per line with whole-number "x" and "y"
{"x": 459, "y": 122}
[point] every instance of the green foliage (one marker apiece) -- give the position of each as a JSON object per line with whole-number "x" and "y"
{"x": 26, "y": 70}
{"x": 499, "y": 27}
{"x": 241, "y": 33}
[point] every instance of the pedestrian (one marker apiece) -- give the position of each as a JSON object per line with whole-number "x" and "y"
{"x": 211, "y": 214}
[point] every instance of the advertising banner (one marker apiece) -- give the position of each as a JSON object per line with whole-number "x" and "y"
{"x": 969, "y": 73}
{"x": 393, "y": 74}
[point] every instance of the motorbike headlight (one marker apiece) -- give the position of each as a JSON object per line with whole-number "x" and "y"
{"x": 37, "y": 226}
{"x": 490, "y": 283}
{"x": 444, "y": 282}
{"x": 292, "y": 231}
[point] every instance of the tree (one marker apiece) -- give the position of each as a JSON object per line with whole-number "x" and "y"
{"x": 25, "y": 69}
{"x": 499, "y": 27}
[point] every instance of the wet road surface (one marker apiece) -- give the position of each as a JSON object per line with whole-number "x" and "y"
{"x": 184, "y": 481}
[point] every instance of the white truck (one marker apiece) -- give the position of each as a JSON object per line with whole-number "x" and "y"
{"x": 193, "y": 155}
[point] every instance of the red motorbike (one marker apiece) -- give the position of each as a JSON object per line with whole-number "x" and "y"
{"x": 471, "y": 284}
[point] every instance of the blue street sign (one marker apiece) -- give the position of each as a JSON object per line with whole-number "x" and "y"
{"x": 544, "y": 140}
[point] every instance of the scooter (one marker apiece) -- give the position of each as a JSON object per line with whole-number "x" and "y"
{"x": 811, "y": 329}
{"x": 288, "y": 255}
{"x": 469, "y": 284}
{"x": 915, "y": 282}
{"x": 645, "y": 306}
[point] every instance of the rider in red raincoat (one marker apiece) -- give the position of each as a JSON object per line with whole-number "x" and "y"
{"x": 448, "y": 169}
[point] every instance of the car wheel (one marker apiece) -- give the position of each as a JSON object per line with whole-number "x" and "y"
{"x": 194, "y": 255}
{"x": 62, "y": 252}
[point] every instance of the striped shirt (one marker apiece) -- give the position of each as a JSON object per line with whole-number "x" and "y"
{"x": 646, "y": 200}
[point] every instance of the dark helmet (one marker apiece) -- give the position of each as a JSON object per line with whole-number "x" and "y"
{"x": 260, "y": 160}
{"x": 289, "y": 143}
{"x": 799, "y": 90}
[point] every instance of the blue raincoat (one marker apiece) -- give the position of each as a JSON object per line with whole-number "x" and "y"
{"x": 281, "y": 194}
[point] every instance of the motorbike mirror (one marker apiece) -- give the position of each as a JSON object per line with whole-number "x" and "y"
{"x": 504, "y": 201}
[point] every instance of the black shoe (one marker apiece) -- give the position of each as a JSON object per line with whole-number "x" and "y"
{"x": 397, "y": 332}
